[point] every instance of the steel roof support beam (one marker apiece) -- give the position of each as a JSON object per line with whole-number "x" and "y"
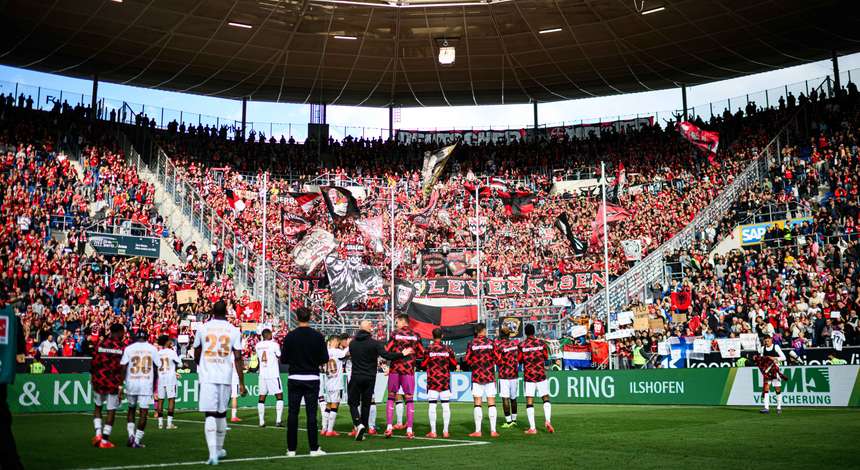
{"x": 244, "y": 115}
{"x": 684, "y": 100}
{"x": 535, "y": 129}
{"x": 836, "y": 81}
{"x": 94, "y": 108}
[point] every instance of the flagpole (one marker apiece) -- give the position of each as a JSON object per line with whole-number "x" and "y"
{"x": 265, "y": 229}
{"x": 478, "y": 248}
{"x": 605, "y": 254}
{"x": 393, "y": 291}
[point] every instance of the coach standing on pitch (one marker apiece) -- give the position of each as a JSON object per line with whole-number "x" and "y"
{"x": 304, "y": 350}
{"x": 364, "y": 352}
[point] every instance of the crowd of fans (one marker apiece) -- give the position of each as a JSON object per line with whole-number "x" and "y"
{"x": 789, "y": 286}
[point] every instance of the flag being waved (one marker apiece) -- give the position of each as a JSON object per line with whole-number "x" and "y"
{"x": 340, "y": 202}
{"x": 434, "y": 164}
{"x": 562, "y": 223}
{"x": 708, "y": 141}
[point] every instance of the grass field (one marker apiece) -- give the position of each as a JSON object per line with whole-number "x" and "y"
{"x": 590, "y": 436}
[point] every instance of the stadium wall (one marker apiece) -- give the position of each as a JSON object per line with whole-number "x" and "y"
{"x": 806, "y": 386}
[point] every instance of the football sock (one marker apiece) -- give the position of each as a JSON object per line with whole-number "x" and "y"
{"x": 324, "y": 425}
{"x": 234, "y": 411}
{"x": 513, "y": 409}
{"x": 778, "y": 400}
{"x": 332, "y": 418}
{"x": 106, "y": 432}
{"x": 170, "y": 419}
{"x": 261, "y": 412}
{"x": 279, "y": 410}
{"x": 479, "y": 415}
{"x": 446, "y": 415}
{"x": 491, "y": 413}
{"x": 530, "y": 412}
{"x": 410, "y": 413}
{"x": 130, "y": 428}
{"x": 431, "y": 412}
{"x": 160, "y": 421}
{"x": 138, "y": 436}
{"x": 389, "y": 412}
{"x": 399, "y": 409}
{"x": 766, "y": 400}
{"x": 220, "y": 433}
{"x": 209, "y": 430}
{"x": 372, "y": 416}
{"x": 97, "y": 423}
{"x": 547, "y": 411}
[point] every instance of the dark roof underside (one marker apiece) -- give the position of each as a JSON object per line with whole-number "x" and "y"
{"x": 605, "y": 47}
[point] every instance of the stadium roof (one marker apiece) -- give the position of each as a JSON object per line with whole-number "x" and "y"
{"x": 372, "y": 52}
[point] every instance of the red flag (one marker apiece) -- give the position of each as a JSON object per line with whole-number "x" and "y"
{"x": 234, "y": 201}
{"x": 421, "y": 218}
{"x": 250, "y": 311}
{"x": 613, "y": 214}
{"x": 708, "y": 141}
{"x": 682, "y": 300}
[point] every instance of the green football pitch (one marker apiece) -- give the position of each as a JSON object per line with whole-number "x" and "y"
{"x": 587, "y": 436}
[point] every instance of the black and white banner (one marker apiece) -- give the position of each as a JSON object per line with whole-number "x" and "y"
{"x": 351, "y": 281}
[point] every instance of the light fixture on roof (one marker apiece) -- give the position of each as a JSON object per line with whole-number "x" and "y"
{"x": 447, "y": 53}
{"x": 236, "y": 24}
{"x": 349, "y": 38}
{"x": 652, "y": 10}
{"x": 116, "y": 1}
{"x": 550, "y": 30}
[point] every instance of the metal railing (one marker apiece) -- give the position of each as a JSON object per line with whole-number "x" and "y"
{"x": 631, "y": 285}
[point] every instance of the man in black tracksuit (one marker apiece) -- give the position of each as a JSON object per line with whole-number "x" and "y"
{"x": 364, "y": 352}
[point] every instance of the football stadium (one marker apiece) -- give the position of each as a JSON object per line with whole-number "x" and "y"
{"x": 272, "y": 233}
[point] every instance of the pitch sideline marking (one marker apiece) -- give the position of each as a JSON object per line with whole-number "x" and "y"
{"x": 273, "y": 457}
{"x": 229, "y": 424}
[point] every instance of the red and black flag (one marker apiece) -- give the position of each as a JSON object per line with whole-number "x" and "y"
{"x": 306, "y": 201}
{"x": 709, "y": 141}
{"x": 292, "y": 225}
{"x": 456, "y": 316}
{"x": 340, "y": 202}
{"x": 518, "y": 203}
{"x": 234, "y": 201}
{"x": 421, "y": 218}
{"x": 682, "y": 301}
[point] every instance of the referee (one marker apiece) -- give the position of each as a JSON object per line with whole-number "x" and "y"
{"x": 304, "y": 350}
{"x": 364, "y": 352}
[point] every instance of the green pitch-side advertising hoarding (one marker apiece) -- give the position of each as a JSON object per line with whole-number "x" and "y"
{"x": 806, "y": 386}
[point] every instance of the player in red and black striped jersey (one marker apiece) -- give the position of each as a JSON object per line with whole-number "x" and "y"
{"x": 107, "y": 376}
{"x": 509, "y": 352}
{"x": 402, "y": 372}
{"x": 482, "y": 357}
{"x": 533, "y": 356}
{"x": 439, "y": 360}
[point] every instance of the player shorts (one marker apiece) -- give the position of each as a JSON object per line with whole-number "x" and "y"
{"x": 777, "y": 382}
{"x": 537, "y": 389}
{"x": 334, "y": 396}
{"x": 140, "y": 401}
{"x": 109, "y": 400}
{"x": 166, "y": 391}
{"x": 397, "y": 382}
{"x": 484, "y": 390}
{"x": 270, "y": 386}
{"x": 509, "y": 388}
{"x": 444, "y": 395}
{"x": 214, "y": 397}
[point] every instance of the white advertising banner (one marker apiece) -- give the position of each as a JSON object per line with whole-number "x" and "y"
{"x": 806, "y": 386}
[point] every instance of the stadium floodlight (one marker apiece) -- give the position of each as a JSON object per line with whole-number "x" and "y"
{"x": 236, "y": 24}
{"x": 116, "y": 1}
{"x": 550, "y": 30}
{"x": 349, "y": 38}
{"x": 652, "y": 10}
{"x": 447, "y": 54}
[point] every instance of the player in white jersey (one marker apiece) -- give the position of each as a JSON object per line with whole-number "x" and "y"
{"x": 139, "y": 362}
{"x": 217, "y": 349}
{"x": 168, "y": 361}
{"x": 269, "y": 353}
{"x": 333, "y": 384}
